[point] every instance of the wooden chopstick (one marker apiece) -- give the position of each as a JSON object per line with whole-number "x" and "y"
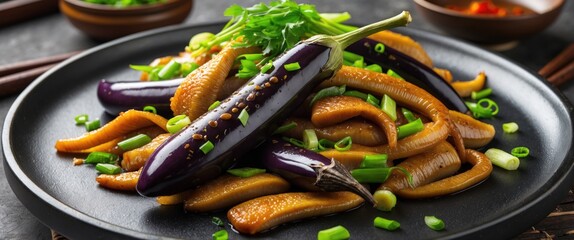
{"x": 16, "y": 76}
{"x": 560, "y": 69}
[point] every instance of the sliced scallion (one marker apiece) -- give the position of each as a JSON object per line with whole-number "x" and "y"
{"x": 392, "y": 73}
{"x": 295, "y": 142}
{"x": 337, "y": 232}
{"x": 92, "y": 125}
{"x": 328, "y": 92}
{"x": 169, "y": 70}
{"x": 217, "y": 221}
{"x": 344, "y": 144}
{"x": 374, "y": 161}
{"x": 484, "y": 108}
{"x": 385, "y": 200}
{"x": 357, "y": 94}
{"x": 107, "y": 168}
{"x": 520, "y": 152}
{"x": 434, "y": 223}
{"x": 373, "y": 100}
{"x": 374, "y": 68}
{"x": 386, "y": 224}
{"x": 408, "y": 114}
{"x": 134, "y": 142}
{"x": 206, "y": 147}
{"x": 213, "y": 105}
{"x": 243, "y": 117}
{"x": 310, "y": 139}
{"x": 285, "y": 128}
{"x": 376, "y": 175}
{"x": 292, "y": 66}
{"x": 380, "y": 48}
{"x": 267, "y": 66}
{"x": 245, "y": 172}
{"x": 220, "y": 235}
{"x": 188, "y": 67}
{"x": 351, "y": 57}
{"x": 177, "y": 123}
{"x": 389, "y": 106}
{"x": 150, "y": 109}
{"x": 101, "y": 157}
{"x": 481, "y": 94}
{"x": 510, "y": 127}
{"x": 81, "y": 119}
{"x": 502, "y": 159}
{"x": 326, "y": 144}
{"x": 410, "y": 128}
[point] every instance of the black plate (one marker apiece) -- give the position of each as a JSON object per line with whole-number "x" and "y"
{"x": 67, "y": 198}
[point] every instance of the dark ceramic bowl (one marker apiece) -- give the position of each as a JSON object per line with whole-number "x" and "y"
{"x": 487, "y": 29}
{"x": 103, "y": 22}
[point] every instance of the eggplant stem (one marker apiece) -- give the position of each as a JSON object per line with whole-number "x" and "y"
{"x": 335, "y": 177}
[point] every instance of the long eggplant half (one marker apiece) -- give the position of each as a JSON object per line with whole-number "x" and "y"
{"x": 213, "y": 142}
{"x": 308, "y": 169}
{"x": 411, "y": 70}
{"x": 118, "y": 97}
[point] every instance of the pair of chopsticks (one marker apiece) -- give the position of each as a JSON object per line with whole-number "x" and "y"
{"x": 16, "y": 76}
{"x": 560, "y": 69}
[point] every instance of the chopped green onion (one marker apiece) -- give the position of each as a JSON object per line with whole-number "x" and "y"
{"x": 408, "y": 114}
{"x": 243, "y": 117}
{"x": 376, "y": 175}
{"x": 169, "y": 70}
{"x": 92, "y": 125}
{"x": 153, "y": 75}
{"x": 520, "y": 152}
{"x": 199, "y": 39}
{"x": 481, "y": 94}
{"x": 142, "y": 68}
{"x": 220, "y": 235}
{"x": 434, "y": 223}
{"x": 385, "y": 200}
{"x": 334, "y": 233}
{"x": 374, "y": 68}
{"x": 213, "y": 105}
{"x": 374, "y": 161}
{"x": 188, "y": 67}
{"x": 380, "y": 48}
{"x": 134, "y": 142}
{"x": 326, "y": 144}
{"x": 410, "y": 128}
{"x": 389, "y": 106}
{"x": 285, "y": 128}
{"x": 251, "y": 56}
{"x": 150, "y": 109}
{"x": 352, "y": 57}
{"x": 292, "y": 66}
{"x": 101, "y": 157}
{"x": 107, "y": 168}
{"x": 267, "y": 66}
{"x": 510, "y": 127}
{"x": 480, "y": 110}
{"x": 81, "y": 119}
{"x": 386, "y": 224}
{"x": 357, "y": 94}
{"x": 328, "y": 92}
{"x": 177, "y": 123}
{"x": 344, "y": 144}
{"x": 248, "y": 69}
{"x": 217, "y": 221}
{"x": 373, "y": 100}
{"x": 206, "y": 147}
{"x": 392, "y": 73}
{"x": 245, "y": 172}
{"x": 359, "y": 63}
{"x": 502, "y": 159}
{"x": 295, "y": 142}
{"x": 310, "y": 139}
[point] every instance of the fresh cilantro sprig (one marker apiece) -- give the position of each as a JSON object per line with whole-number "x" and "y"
{"x": 274, "y": 27}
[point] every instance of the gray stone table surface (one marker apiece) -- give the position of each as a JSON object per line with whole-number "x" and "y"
{"x": 53, "y": 34}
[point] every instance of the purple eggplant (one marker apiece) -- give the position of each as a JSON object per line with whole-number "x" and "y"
{"x": 411, "y": 70}
{"x": 308, "y": 169}
{"x": 119, "y": 97}
{"x": 213, "y": 142}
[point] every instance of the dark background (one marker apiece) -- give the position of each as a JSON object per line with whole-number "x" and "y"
{"x": 53, "y": 34}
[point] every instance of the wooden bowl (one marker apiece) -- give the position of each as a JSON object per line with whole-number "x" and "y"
{"x": 104, "y": 22}
{"x": 488, "y": 29}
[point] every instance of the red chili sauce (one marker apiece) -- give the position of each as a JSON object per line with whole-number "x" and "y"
{"x": 487, "y": 7}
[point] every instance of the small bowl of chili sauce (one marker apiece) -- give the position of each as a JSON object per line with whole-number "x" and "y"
{"x": 490, "y": 21}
